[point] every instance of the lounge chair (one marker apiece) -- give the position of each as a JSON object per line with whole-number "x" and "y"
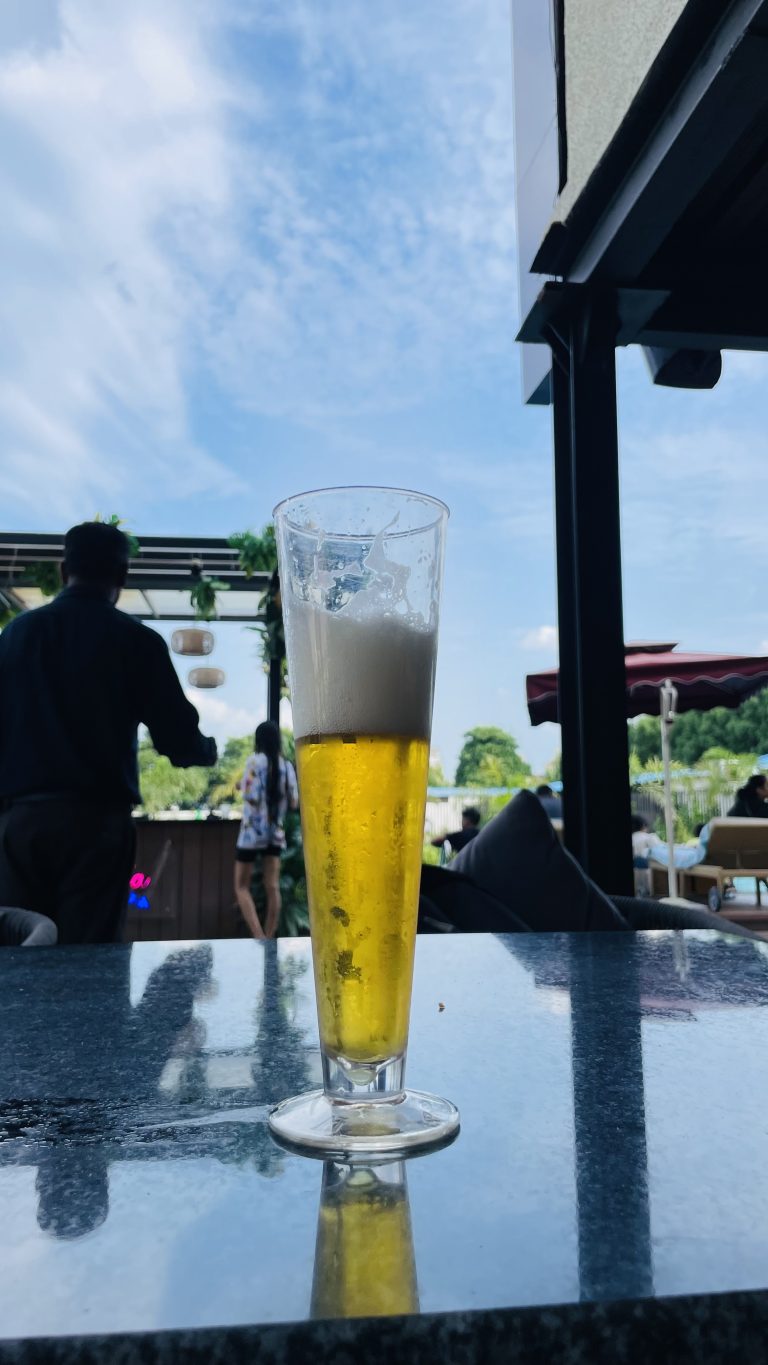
{"x": 737, "y": 848}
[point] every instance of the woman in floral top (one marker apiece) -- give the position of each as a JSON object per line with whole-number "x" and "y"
{"x": 269, "y": 790}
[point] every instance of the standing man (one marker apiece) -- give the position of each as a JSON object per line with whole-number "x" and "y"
{"x": 76, "y": 679}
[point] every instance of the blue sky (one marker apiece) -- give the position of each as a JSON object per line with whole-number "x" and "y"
{"x": 251, "y": 247}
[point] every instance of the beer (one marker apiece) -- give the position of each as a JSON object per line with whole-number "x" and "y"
{"x": 360, "y": 573}
{"x": 362, "y": 803}
{"x": 364, "y": 1263}
{"x": 361, "y": 717}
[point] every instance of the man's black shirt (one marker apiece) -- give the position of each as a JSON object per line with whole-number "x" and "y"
{"x": 76, "y": 679}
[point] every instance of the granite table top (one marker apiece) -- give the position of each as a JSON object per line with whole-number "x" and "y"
{"x": 606, "y": 1197}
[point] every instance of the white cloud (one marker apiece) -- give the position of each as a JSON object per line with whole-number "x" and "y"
{"x": 322, "y": 241}
{"x": 222, "y": 720}
{"x": 385, "y": 224}
{"x": 542, "y": 638}
{"x": 115, "y": 173}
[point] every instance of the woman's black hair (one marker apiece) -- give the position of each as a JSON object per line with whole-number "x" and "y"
{"x": 269, "y": 742}
{"x": 755, "y": 781}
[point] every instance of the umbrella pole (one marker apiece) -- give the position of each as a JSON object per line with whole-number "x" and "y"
{"x": 668, "y": 703}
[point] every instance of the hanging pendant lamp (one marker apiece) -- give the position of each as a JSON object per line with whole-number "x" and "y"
{"x": 206, "y": 677}
{"x": 192, "y": 641}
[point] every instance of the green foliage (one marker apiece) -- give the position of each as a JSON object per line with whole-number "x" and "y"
{"x": 294, "y": 916}
{"x": 436, "y": 777}
{"x": 8, "y": 614}
{"x": 163, "y": 786}
{"x": 695, "y": 798}
{"x": 740, "y": 731}
{"x": 258, "y": 554}
{"x": 113, "y": 519}
{"x": 228, "y": 772}
{"x": 554, "y": 769}
{"x": 430, "y": 855}
{"x": 490, "y": 758}
{"x": 202, "y": 595}
{"x": 46, "y": 575}
{"x": 227, "y": 775}
{"x": 289, "y": 746}
{"x": 645, "y": 738}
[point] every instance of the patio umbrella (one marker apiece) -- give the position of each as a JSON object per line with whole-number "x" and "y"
{"x": 664, "y": 683}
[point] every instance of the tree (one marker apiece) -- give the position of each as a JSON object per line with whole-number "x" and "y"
{"x": 436, "y": 776}
{"x": 289, "y": 746}
{"x": 554, "y": 769}
{"x": 490, "y": 758}
{"x": 740, "y": 731}
{"x": 163, "y": 786}
{"x": 227, "y": 775}
{"x": 645, "y": 738}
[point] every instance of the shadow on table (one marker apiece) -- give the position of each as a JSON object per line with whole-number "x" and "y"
{"x": 93, "y": 1095}
{"x": 119, "y": 1061}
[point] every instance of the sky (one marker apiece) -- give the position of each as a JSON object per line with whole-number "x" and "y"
{"x": 252, "y": 247}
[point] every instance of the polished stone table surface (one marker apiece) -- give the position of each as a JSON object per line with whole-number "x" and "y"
{"x": 613, "y": 1156}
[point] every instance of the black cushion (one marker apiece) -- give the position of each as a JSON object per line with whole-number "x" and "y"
{"x": 450, "y": 901}
{"x": 518, "y": 861}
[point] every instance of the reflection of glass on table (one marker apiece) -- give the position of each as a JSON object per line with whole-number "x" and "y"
{"x": 364, "y": 1262}
{"x": 360, "y": 573}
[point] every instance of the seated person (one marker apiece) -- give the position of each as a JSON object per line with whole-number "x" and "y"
{"x": 470, "y": 826}
{"x": 551, "y": 803}
{"x": 752, "y": 800}
{"x": 643, "y": 840}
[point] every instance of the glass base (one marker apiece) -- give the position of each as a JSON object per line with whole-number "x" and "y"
{"x": 321, "y": 1126}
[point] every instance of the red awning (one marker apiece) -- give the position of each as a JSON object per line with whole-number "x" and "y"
{"x": 702, "y": 681}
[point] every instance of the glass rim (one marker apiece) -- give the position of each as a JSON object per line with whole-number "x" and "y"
{"x": 442, "y": 509}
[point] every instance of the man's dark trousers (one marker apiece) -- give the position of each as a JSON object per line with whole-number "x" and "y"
{"x": 71, "y": 859}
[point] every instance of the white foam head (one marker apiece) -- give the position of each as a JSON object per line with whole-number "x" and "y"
{"x": 357, "y": 673}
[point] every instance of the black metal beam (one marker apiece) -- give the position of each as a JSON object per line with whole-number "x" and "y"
{"x": 274, "y": 688}
{"x": 697, "y": 102}
{"x": 568, "y": 679}
{"x": 727, "y": 315}
{"x": 592, "y": 671}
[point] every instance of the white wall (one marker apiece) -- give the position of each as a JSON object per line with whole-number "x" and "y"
{"x": 609, "y": 48}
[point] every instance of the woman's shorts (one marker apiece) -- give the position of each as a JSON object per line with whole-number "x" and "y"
{"x": 249, "y": 855}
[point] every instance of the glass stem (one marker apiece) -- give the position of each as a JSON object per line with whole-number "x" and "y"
{"x": 354, "y": 1082}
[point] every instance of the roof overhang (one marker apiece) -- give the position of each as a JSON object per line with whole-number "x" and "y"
{"x": 673, "y": 222}
{"x": 160, "y": 577}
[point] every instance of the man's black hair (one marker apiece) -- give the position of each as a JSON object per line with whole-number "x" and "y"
{"x": 639, "y": 823}
{"x": 96, "y": 553}
{"x": 471, "y": 813}
{"x": 544, "y": 790}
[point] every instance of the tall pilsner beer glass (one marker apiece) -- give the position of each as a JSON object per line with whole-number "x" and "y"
{"x": 360, "y": 572}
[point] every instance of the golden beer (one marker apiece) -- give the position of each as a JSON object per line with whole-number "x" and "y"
{"x": 364, "y": 1263}
{"x": 360, "y": 573}
{"x": 362, "y": 811}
